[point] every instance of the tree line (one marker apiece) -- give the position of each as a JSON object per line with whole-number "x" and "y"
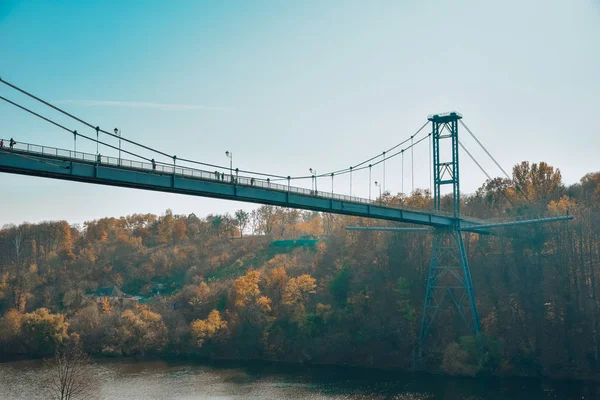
{"x": 217, "y": 287}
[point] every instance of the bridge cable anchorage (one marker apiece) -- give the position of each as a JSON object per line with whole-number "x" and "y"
{"x": 69, "y": 130}
{"x": 494, "y": 160}
{"x": 123, "y": 138}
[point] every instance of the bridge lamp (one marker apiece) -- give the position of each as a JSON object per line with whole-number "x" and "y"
{"x": 118, "y": 133}
{"x": 314, "y": 172}
{"x": 379, "y": 186}
{"x": 230, "y": 156}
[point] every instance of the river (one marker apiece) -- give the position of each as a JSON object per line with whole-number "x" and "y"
{"x": 130, "y": 379}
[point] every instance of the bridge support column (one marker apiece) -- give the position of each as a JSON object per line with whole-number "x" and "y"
{"x": 449, "y": 274}
{"x": 449, "y": 280}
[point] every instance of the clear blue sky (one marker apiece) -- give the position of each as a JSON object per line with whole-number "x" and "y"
{"x": 290, "y": 85}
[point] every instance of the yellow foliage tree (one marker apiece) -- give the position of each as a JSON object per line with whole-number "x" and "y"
{"x": 203, "y": 329}
{"x": 539, "y": 182}
{"x": 105, "y": 306}
{"x": 563, "y": 206}
{"x": 200, "y": 295}
{"x": 264, "y": 303}
{"x": 42, "y": 331}
{"x": 245, "y": 288}
{"x": 10, "y": 326}
{"x": 139, "y": 331}
{"x": 276, "y": 281}
{"x": 295, "y": 295}
{"x": 313, "y": 227}
{"x": 3, "y": 285}
{"x": 297, "y": 289}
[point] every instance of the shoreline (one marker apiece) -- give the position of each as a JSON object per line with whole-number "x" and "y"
{"x": 307, "y": 366}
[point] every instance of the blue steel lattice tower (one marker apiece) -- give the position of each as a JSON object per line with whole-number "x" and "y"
{"x": 449, "y": 274}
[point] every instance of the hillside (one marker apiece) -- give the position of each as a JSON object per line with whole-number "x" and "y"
{"x": 183, "y": 285}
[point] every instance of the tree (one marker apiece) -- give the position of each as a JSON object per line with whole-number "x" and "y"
{"x": 242, "y": 218}
{"x": 140, "y": 331}
{"x": 43, "y": 331}
{"x": 254, "y": 222}
{"x": 10, "y": 330}
{"x": 71, "y": 376}
{"x": 537, "y": 182}
{"x": 296, "y": 294}
{"x": 216, "y": 223}
{"x": 266, "y": 217}
{"x": 245, "y": 289}
{"x": 203, "y": 329}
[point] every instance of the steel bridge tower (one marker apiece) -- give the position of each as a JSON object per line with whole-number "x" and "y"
{"x": 449, "y": 276}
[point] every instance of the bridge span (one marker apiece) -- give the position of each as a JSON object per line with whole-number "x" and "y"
{"x": 50, "y": 162}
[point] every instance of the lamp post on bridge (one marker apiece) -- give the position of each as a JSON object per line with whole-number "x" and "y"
{"x": 370, "y": 182}
{"x": 332, "y": 185}
{"x": 97, "y": 140}
{"x": 314, "y": 177}
{"x": 384, "y": 171}
{"x": 379, "y": 186}
{"x": 350, "y": 181}
{"x": 230, "y": 156}
{"x": 118, "y": 133}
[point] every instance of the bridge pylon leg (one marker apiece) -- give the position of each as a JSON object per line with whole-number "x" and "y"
{"x": 449, "y": 278}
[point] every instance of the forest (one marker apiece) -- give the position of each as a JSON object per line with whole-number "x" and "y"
{"x": 292, "y": 286}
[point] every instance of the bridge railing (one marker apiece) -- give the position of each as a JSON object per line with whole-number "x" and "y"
{"x": 195, "y": 173}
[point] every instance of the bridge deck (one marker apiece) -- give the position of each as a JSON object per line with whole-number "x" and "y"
{"x": 49, "y": 162}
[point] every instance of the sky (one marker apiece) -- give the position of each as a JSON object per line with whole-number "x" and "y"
{"x": 288, "y": 86}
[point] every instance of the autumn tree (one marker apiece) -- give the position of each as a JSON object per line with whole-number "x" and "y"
{"x": 205, "y": 329}
{"x": 43, "y": 331}
{"x": 295, "y": 296}
{"x": 139, "y": 331}
{"x": 10, "y": 331}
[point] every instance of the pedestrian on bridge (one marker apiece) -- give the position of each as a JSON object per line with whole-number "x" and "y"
{"x": 99, "y": 158}
{"x": 153, "y": 165}
{"x": 1, "y": 143}
{"x": 12, "y": 143}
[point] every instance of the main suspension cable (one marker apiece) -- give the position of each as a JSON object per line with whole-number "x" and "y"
{"x": 484, "y": 149}
{"x": 125, "y": 139}
{"x": 494, "y": 160}
{"x": 280, "y": 177}
{"x": 74, "y": 132}
{"x": 483, "y": 170}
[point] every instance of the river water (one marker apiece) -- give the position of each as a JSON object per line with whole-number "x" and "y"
{"x": 130, "y": 379}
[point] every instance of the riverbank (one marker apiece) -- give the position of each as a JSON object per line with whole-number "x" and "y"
{"x": 353, "y": 369}
{"x": 133, "y": 378}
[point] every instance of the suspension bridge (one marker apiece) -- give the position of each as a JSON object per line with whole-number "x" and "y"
{"x": 449, "y": 274}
